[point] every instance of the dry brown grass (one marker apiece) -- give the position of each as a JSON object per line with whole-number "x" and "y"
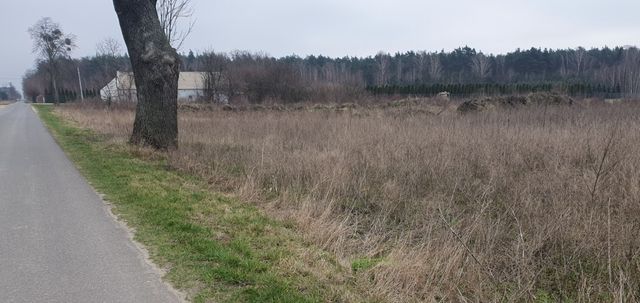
{"x": 537, "y": 204}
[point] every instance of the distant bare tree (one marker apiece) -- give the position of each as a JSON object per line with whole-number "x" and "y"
{"x": 500, "y": 67}
{"x": 51, "y": 44}
{"x": 329, "y": 71}
{"x": 580, "y": 60}
{"x": 435, "y": 67}
{"x": 399, "y": 70}
{"x": 171, "y": 12}
{"x": 109, "y": 47}
{"x": 421, "y": 63}
{"x": 383, "y": 60}
{"x": 564, "y": 65}
{"x": 215, "y": 67}
{"x": 481, "y": 66}
{"x": 32, "y": 84}
{"x": 631, "y": 72}
{"x": 610, "y": 75}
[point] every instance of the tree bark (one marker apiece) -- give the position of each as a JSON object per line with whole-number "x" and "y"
{"x": 56, "y": 94}
{"x": 156, "y": 68}
{"x": 53, "y": 73}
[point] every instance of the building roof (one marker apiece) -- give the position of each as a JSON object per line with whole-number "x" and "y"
{"x": 187, "y": 81}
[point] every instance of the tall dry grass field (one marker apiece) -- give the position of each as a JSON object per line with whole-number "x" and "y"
{"x": 530, "y": 205}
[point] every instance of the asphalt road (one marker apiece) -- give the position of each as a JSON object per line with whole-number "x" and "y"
{"x": 58, "y": 241}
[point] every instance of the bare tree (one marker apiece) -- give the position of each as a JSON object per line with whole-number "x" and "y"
{"x": 630, "y": 66}
{"x": 32, "y": 84}
{"x": 171, "y": 12}
{"x": 435, "y": 67}
{"x": 481, "y": 66}
{"x": 109, "y": 50}
{"x": 580, "y": 60}
{"x": 421, "y": 65}
{"x": 109, "y": 47}
{"x": 383, "y": 60}
{"x": 156, "y": 68}
{"x": 564, "y": 65}
{"x": 51, "y": 44}
{"x": 215, "y": 71}
{"x": 399, "y": 70}
{"x": 500, "y": 67}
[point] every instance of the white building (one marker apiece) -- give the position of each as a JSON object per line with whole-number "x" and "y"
{"x": 123, "y": 87}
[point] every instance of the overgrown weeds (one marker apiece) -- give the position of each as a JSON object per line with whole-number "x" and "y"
{"x": 531, "y": 205}
{"x": 214, "y": 248}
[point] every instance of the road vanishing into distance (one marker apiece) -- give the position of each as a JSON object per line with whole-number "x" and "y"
{"x": 58, "y": 241}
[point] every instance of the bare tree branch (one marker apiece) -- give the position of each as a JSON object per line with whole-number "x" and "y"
{"x": 481, "y": 66}
{"x": 109, "y": 47}
{"x": 171, "y": 12}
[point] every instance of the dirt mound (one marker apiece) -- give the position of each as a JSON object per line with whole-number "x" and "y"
{"x": 491, "y": 103}
{"x": 549, "y": 99}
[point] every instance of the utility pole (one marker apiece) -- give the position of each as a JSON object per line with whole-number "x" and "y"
{"x": 80, "y": 81}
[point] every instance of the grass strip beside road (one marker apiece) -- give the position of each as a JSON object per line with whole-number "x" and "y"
{"x": 215, "y": 248}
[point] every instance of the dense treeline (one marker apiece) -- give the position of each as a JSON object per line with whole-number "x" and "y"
{"x": 72, "y": 95}
{"x": 258, "y": 77}
{"x": 96, "y": 72}
{"x": 466, "y": 65}
{"x": 467, "y": 90}
{"x": 9, "y": 93}
{"x": 606, "y": 72}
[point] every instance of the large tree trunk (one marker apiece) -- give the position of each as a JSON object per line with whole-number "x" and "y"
{"x": 53, "y": 72}
{"x": 156, "y": 67}
{"x": 56, "y": 94}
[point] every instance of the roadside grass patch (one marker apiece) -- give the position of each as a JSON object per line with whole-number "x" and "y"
{"x": 215, "y": 248}
{"x": 364, "y": 264}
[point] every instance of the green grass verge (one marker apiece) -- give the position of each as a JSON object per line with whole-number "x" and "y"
{"x": 215, "y": 248}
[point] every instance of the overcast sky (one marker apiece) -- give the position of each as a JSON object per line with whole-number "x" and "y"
{"x": 341, "y": 27}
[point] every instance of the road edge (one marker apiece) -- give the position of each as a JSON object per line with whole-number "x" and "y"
{"x": 142, "y": 251}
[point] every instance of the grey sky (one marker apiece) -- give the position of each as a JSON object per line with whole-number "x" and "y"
{"x": 342, "y": 27}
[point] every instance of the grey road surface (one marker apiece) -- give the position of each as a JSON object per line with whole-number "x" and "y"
{"x": 58, "y": 242}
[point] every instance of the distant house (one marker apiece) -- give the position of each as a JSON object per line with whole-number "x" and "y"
{"x": 191, "y": 87}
